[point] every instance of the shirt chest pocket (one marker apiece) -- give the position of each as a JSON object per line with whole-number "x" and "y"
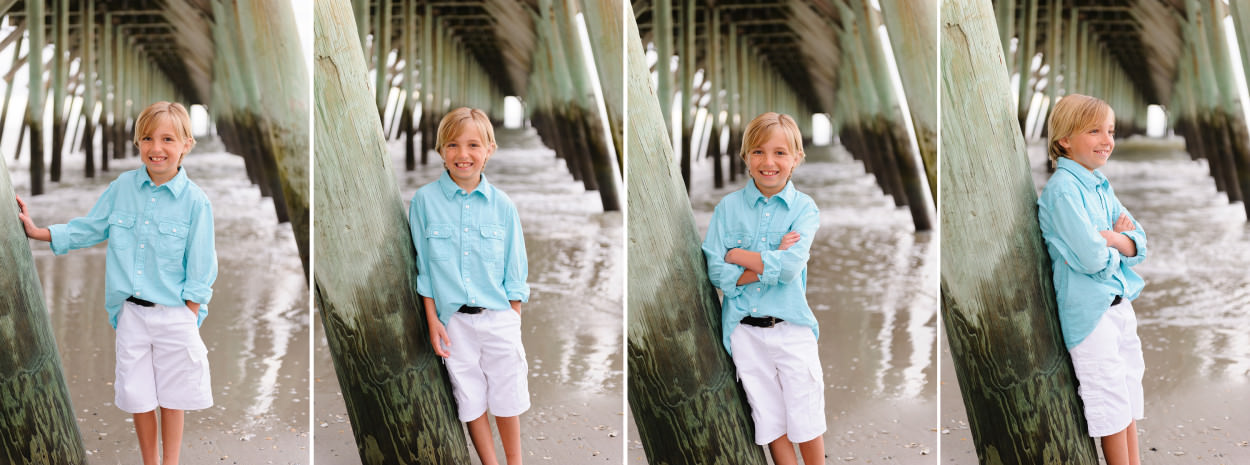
{"x": 121, "y": 230}
{"x": 492, "y": 245}
{"x": 438, "y": 237}
{"x": 171, "y": 244}
{"x": 738, "y": 240}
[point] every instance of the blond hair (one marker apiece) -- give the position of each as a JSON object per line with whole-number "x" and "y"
{"x": 453, "y": 124}
{"x": 1073, "y": 113}
{"x": 160, "y": 112}
{"x": 760, "y": 128}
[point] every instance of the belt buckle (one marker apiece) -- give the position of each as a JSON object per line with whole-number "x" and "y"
{"x": 772, "y": 322}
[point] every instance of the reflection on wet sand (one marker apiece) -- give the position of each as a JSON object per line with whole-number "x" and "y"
{"x": 256, "y": 331}
{"x": 572, "y": 328}
{"x": 871, "y": 284}
{"x": 1191, "y": 316}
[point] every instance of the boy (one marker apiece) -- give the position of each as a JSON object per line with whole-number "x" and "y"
{"x": 159, "y": 274}
{"x": 471, "y": 275}
{"x": 757, "y": 248}
{"x": 1093, "y": 241}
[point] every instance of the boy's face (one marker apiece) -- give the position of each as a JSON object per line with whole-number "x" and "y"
{"x": 771, "y": 163}
{"x": 1092, "y": 146}
{"x": 162, "y": 150}
{"x": 466, "y": 155}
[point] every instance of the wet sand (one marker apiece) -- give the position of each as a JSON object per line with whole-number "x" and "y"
{"x": 573, "y": 323}
{"x": 872, "y": 286}
{"x": 256, "y": 331}
{"x": 1191, "y": 316}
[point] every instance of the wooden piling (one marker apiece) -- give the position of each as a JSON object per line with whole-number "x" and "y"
{"x": 8, "y": 81}
{"x": 60, "y": 25}
{"x": 998, "y": 303}
{"x": 912, "y": 26}
{"x": 34, "y": 97}
{"x": 88, "y": 79}
{"x": 682, "y": 389}
{"x": 38, "y": 425}
{"x": 397, "y": 393}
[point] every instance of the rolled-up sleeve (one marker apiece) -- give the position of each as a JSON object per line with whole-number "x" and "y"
{"x": 88, "y": 230}
{"x": 1084, "y": 249}
{"x": 1138, "y": 235}
{"x": 787, "y": 265}
{"x": 723, "y": 275}
{"x": 416, "y": 225}
{"x": 516, "y": 264}
{"x": 201, "y": 256}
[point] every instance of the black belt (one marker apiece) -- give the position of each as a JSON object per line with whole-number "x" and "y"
{"x": 471, "y": 310}
{"x": 140, "y": 302}
{"x": 1116, "y": 301}
{"x": 765, "y": 322}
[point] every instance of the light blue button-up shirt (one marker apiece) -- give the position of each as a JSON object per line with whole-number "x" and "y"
{"x": 160, "y": 241}
{"x": 747, "y": 220}
{"x": 470, "y": 249}
{"x": 1075, "y": 205}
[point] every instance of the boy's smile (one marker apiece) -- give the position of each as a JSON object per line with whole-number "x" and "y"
{"x": 162, "y": 152}
{"x": 1092, "y": 146}
{"x": 772, "y": 163}
{"x": 465, "y": 156}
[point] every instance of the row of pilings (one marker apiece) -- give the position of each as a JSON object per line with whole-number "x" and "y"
{"x": 1134, "y": 55}
{"x": 719, "y": 64}
{"x": 123, "y": 59}
{"x": 430, "y": 57}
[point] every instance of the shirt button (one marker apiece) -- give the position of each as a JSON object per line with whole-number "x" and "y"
{"x": 466, "y": 206}
{"x": 752, "y": 310}
{"x": 761, "y": 239}
{"x": 119, "y": 221}
{"x": 145, "y": 222}
{"x": 473, "y": 301}
{"x": 768, "y": 214}
{"x": 140, "y": 246}
{"x": 137, "y": 294}
{"x": 435, "y": 233}
{"x": 739, "y": 241}
{"x": 153, "y": 199}
{"x": 175, "y": 229}
{"x": 140, "y": 271}
{"x": 466, "y": 253}
{"x": 466, "y": 229}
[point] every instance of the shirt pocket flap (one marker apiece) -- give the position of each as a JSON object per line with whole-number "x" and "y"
{"x": 125, "y": 220}
{"x": 738, "y": 240}
{"x": 439, "y": 231}
{"x": 173, "y": 228}
{"x": 491, "y": 231}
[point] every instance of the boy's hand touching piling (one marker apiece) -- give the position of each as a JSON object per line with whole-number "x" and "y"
{"x": 438, "y": 332}
{"x": 32, "y": 231}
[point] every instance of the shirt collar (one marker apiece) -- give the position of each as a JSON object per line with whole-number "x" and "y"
{"x": 786, "y": 195}
{"x": 1089, "y": 178}
{"x": 450, "y": 187}
{"x": 176, "y": 185}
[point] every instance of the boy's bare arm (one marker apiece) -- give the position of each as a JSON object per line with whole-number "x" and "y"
{"x": 1120, "y": 242}
{"x": 746, "y": 259}
{"x": 438, "y": 333}
{"x": 32, "y": 231}
{"x": 750, "y": 275}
